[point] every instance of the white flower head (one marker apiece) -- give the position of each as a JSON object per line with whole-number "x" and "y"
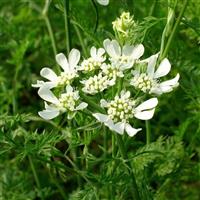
{"x": 111, "y": 71}
{"x": 67, "y": 102}
{"x": 95, "y": 61}
{"x": 97, "y": 84}
{"x": 69, "y": 70}
{"x": 122, "y": 109}
{"x": 149, "y": 81}
{"x": 126, "y": 56}
{"x": 103, "y": 2}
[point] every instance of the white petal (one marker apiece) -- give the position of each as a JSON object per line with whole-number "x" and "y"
{"x": 103, "y": 2}
{"x": 144, "y": 115}
{"x": 103, "y": 103}
{"x": 100, "y": 52}
{"x": 166, "y": 89}
{"x": 62, "y": 61}
{"x": 116, "y": 47}
{"x": 48, "y": 74}
{"x": 69, "y": 89}
{"x": 127, "y": 94}
{"x": 147, "y": 59}
{"x": 151, "y": 65}
{"x": 119, "y": 128}
{"x": 138, "y": 51}
{"x": 101, "y": 117}
{"x": 173, "y": 82}
{"x": 156, "y": 90}
{"x": 46, "y": 94}
{"x": 106, "y": 44}
{"x": 81, "y": 106}
{"x": 163, "y": 69}
{"x": 128, "y": 50}
{"x": 131, "y": 131}
{"x": 149, "y": 104}
{"x": 112, "y": 82}
{"x": 93, "y": 52}
{"x": 74, "y": 57}
{"x": 112, "y": 47}
{"x": 48, "y": 114}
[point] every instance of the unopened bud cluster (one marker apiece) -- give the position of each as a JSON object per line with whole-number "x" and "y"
{"x": 68, "y": 100}
{"x": 66, "y": 78}
{"x": 90, "y": 64}
{"x": 111, "y": 71}
{"x": 121, "y": 109}
{"x": 143, "y": 82}
{"x": 123, "y": 25}
{"x": 96, "y": 84}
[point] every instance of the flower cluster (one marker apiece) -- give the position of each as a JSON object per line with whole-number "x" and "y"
{"x": 123, "y": 108}
{"x": 68, "y": 99}
{"x": 114, "y": 65}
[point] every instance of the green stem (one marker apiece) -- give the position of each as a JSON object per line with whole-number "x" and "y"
{"x": 35, "y": 176}
{"x": 82, "y": 43}
{"x": 53, "y": 43}
{"x": 113, "y": 146}
{"x": 48, "y": 24}
{"x": 105, "y": 141}
{"x": 66, "y": 14}
{"x": 174, "y": 30}
{"x": 97, "y": 15}
{"x": 151, "y": 12}
{"x": 129, "y": 168}
{"x": 148, "y": 132}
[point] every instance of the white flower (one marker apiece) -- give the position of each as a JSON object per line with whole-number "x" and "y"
{"x": 124, "y": 57}
{"x": 149, "y": 82}
{"x": 103, "y": 2}
{"x": 123, "y": 108}
{"x": 95, "y": 61}
{"x": 97, "y": 83}
{"x": 67, "y": 102}
{"x": 65, "y": 78}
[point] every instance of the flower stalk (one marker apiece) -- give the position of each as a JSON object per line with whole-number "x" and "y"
{"x": 66, "y": 14}
{"x": 148, "y": 132}
{"x": 49, "y": 27}
{"x": 169, "y": 41}
{"x": 129, "y": 168}
{"x": 35, "y": 177}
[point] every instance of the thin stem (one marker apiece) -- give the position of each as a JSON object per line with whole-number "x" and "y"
{"x": 35, "y": 176}
{"x": 97, "y": 15}
{"x": 174, "y": 30}
{"x": 48, "y": 24}
{"x": 66, "y": 14}
{"x": 113, "y": 146}
{"x": 129, "y": 168}
{"x": 152, "y": 9}
{"x": 82, "y": 43}
{"x": 105, "y": 141}
{"x": 148, "y": 132}
{"x": 53, "y": 43}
